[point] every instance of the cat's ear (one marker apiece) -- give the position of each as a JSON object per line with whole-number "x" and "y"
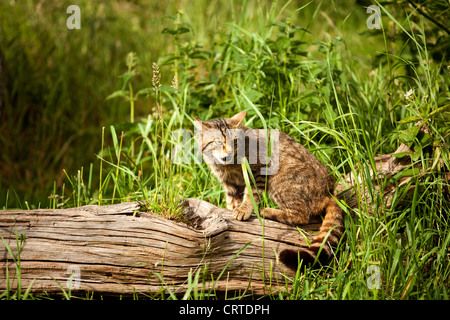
{"x": 237, "y": 119}
{"x": 198, "y": 124}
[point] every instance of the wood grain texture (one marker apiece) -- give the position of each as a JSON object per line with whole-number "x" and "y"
{"x": 118, "y": 253}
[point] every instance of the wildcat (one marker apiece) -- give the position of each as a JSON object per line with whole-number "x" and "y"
{"x": 298, "y": 183}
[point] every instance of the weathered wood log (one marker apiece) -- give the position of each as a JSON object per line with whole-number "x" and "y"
{"x": 117, "y": 249}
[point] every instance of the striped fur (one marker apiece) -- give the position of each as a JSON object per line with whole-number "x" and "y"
{"x": 302, "y": 187}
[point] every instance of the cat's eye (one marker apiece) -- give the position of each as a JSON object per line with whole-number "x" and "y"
{"x": 218, "y": 142}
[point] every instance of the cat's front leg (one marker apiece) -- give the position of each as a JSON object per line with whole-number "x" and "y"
{"x": 233, "y": 203}
{"x": 245, "y": 210}
{"x": 234, "y": 196}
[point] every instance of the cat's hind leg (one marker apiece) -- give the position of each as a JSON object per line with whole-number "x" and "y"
{"x": 287, "y": 216}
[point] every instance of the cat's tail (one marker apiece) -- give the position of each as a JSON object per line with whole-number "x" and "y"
{"x": 320, "y": 249}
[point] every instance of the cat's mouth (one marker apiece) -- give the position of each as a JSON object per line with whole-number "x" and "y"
{"x": 223, "y": 158}
{"x": 227, "y": 158}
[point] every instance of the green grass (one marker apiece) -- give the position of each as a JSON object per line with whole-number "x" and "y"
{"x": 315, "y": 72}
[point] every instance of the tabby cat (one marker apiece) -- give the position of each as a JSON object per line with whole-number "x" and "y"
{"x": 299, "y": 184}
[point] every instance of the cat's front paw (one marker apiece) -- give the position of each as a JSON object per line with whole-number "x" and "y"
{"x": 233, "y": 203}
{"x": 240, "y": 213}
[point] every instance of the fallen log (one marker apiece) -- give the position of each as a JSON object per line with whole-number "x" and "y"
{"x": 118, "y": 249}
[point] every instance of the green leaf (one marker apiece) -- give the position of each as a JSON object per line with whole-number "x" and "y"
{"x": 252, "y": 105}
{"x": 407, "y": 136}
{"x": 119, "y": 93}
{"x": 253, "y": 95}
{"x": 401, "y": 154}
{"x": 301, "y": 28}
{"x": 245, "y": 170}
{"x": 27, "y": 292}
{"x": 396, "y": 259}
{"x": 410, "y": 119}
{"x": 299, "y": 52}
{"x": 177, "y": 31}
{"x": 168, "y": 59}
{"x": 407, "y": 173}
{"x": 438, "y": 110}
{"x": 279, "y": 24}
{"x": 415, "y": 155}
{"x": 199, "y": 54}
{"x": 145, "y": 91}
{"x": 125, "y": 78}
{"x": 115, "y": 140}
{"x": 283, "y": 43}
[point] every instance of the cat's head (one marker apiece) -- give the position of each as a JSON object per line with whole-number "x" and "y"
{"x": 216, "y": 140}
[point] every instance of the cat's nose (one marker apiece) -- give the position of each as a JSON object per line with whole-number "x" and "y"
{"x": 229, "y": 153}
